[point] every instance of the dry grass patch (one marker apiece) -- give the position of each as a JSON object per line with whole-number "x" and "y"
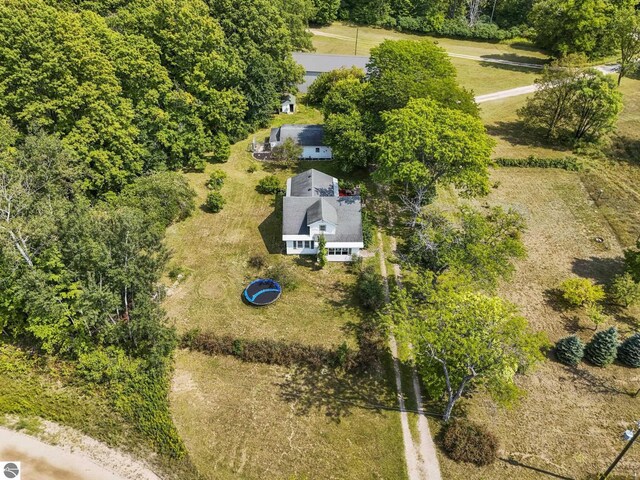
{"x": 571, "y": 420}
{"x": 253, "y": 421}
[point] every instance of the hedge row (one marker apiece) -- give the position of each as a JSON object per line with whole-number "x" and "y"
{"x": 455, "y": 28}
{"x": 565, "y": 163}
{"x": 271, "y": 352}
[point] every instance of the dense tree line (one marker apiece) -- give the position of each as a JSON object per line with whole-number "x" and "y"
{"x": 594, "y": 27}
{"x": 151, "y": 85}
{"x": 101, "y": 101}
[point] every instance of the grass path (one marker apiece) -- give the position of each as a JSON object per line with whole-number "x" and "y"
{"x": 421, "y": 458}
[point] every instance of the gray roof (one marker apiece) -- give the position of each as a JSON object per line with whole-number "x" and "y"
{"x": 348, "y": 213}
{"x": 312, "y": 183}
{"x": 303, "y": 135}
{"x": 322, "y": 211}
{"x": 288, "y": 98}
{"x": 317, "y": 62}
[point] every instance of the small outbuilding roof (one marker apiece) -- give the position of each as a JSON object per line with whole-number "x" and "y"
{"x": 317, "y": 62}
{"x": 303, "y": 135}
{"x": 288, "y": 98}
{"x": 312, "y": 183}
{"x": 322, "y": 211}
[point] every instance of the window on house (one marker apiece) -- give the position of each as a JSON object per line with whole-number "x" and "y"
{"x": 323, "y": 228}
{"x": 317, "y": 149}
{"x": 307, "y": 244}
{"x": 299, "y": 242}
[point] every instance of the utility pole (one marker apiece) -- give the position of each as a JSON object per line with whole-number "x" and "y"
{"x": 355, "y": 52}
{"x": 619, "y": 457}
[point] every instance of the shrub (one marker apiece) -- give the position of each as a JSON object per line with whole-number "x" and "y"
{"x": 570, "y": 350}
{"x": 629, "y": 351}
{"x": 258, "y": 261}
{"x": 370, "y": 289}
{"x": 367, "y": 229}
{"x": 214, "y": 202}
{"x": 570, "y": 163}
{"x": 284, "y": 275}
{"x": 177, "y": 272}
{"x": 322, "y": 252}
{"x": 270, "y": 185}
{"x": 216, "y": 180}
{"x": 624, "y": 290}
{"x": 603, "y": 347}
{"x": 581, "y": 291}
{"x": 288, "y": 152}
{"x": 252, "y": 168}
{"x": 595, "y": 314}
{"x": 466, "y": 441}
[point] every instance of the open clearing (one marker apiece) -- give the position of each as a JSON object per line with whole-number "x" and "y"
{"x": 571, "y": 420}
{"x": 254, "y": 421}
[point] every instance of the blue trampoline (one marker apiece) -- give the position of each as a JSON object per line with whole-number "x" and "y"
{"x": 262, "y": 291}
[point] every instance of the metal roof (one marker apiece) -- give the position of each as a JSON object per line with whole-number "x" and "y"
{"x": 348, "y": 212}
{"x": 312, "y": 183}
{"x": 303, "y": 135}
{"x": 322, "y": 211}
{"x": 317, "y": 62}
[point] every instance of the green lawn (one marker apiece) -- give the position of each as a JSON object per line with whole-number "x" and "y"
{"x": 254, "y": 421}
{"x": 481, "y": 77}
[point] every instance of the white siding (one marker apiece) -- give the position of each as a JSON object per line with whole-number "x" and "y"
{"x": 316, "y": 152}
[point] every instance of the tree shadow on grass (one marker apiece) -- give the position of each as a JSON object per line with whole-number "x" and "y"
{"x": 553, "y": 298}
{"x": 335, "y": 392}
{"x": 599, "y": 269}
{"x": 516, "y": 463}
{"x": 517, "y": 133}
{"x": 593, "y": 382}
{"x": 518, "y": 58}
{"x": 271, "y": 229}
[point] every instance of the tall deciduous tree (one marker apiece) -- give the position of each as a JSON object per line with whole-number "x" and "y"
{"x": 462, "y": 340}
{"x": 573, "y": 103}
{"x": 424, "y": 144}
{"x": 573, "y": 26}
{"x": 626, "y": 30}
{"x": 482, "y": 246}
{"x": 400, "y": 70}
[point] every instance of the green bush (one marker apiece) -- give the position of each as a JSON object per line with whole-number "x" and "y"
{"x": 284, "y": 275}
{"x": 629, "y": 351}
{"x": 370, "y": 289}
{"x": 321, "y": 256}
{"x": 466, "y": 441}
{"x": 603, "y": 347}
{"x": 581, "y": 291}
{"x": 570, "y": 163}
{"x": 367, "y": 229}
{"x": 624, "y": 290}
{"x": 214, "y": 202}
{"x": 570, "y": 350}
{"x": 258, "y": 261}
{"x": 270, "y": 185}
{"x": 216, "y": 180}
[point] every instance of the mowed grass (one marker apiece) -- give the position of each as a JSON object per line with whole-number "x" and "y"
{"x": 253, "y": 421}
{"x": 571, "y": 419}
{"x": 481, "y": 77}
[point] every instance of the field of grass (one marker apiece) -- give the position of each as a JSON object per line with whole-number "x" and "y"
{"x": 571, "y": 420}
{"x": 481, "y": 77}
{"x": 254, "y": 421}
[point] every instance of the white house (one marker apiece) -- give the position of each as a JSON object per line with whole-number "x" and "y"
{"x": 288, "y": 103}
{"x": 313, "y": 207}
{"x": 309, "y": 137}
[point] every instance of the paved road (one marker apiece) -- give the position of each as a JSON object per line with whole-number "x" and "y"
{"x": 514, "y": 92}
